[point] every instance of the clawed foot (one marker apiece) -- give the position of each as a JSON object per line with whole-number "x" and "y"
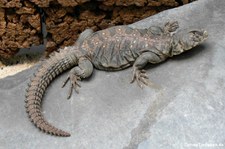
{"x": 171, "y": 26}
{"x": 141, "y": 77}
{"x": 74, "y": 84}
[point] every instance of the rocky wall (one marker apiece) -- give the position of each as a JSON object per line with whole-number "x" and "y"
{"x": 20, "y": 20}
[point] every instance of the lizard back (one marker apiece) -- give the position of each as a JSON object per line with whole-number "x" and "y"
{"x": 118, "y": 47}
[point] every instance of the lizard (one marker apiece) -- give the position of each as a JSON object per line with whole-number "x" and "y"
{"x": 111, "y": 49}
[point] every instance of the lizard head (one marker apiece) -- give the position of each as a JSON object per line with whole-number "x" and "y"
{"x": 185, "y": 40}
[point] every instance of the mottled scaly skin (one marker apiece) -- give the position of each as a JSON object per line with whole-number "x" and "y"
{"x": 115, "y": 48}
{"x": 42, "y": 78}
{"x": 124, "y": 45}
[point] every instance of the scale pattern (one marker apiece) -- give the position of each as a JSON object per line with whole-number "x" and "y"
{"x": 114, "y": 48}
{"x": 52, "y": 67}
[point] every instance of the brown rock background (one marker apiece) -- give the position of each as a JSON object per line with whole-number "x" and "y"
{"x": 20, "y": 20}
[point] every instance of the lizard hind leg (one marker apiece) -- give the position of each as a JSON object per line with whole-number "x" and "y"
{"x": 85, "y": 34}
{"x": 74, "y": 83}
{"x": 83, "y": 70}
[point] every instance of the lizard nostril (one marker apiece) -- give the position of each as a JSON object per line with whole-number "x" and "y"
{"x": 205, "y": 34}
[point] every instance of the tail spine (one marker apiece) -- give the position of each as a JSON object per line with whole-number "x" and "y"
{"x": 51, "y": 68}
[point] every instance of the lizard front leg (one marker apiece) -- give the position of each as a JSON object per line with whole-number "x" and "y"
{"x": 83, "y": 70}
{"x": 139, "y": 74}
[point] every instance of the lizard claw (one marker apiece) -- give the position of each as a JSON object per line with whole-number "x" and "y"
{"x": 65, "y": 82}
{"x": 74, "y": 84}
{"x": 141, "y": 77}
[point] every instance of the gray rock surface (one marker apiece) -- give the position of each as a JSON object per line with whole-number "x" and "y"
{"x": 186, "y": 111}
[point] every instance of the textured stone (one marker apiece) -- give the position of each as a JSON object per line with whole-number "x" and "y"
{"x": 19, "y": 28}
{"x": 62, "y": 23}
{"x": 66, "y": 19}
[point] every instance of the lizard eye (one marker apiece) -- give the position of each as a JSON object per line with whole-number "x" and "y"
{"x": 196, "y": 36}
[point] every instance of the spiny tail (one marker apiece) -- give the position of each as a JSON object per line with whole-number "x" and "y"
{"x": 51, "y": 68}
